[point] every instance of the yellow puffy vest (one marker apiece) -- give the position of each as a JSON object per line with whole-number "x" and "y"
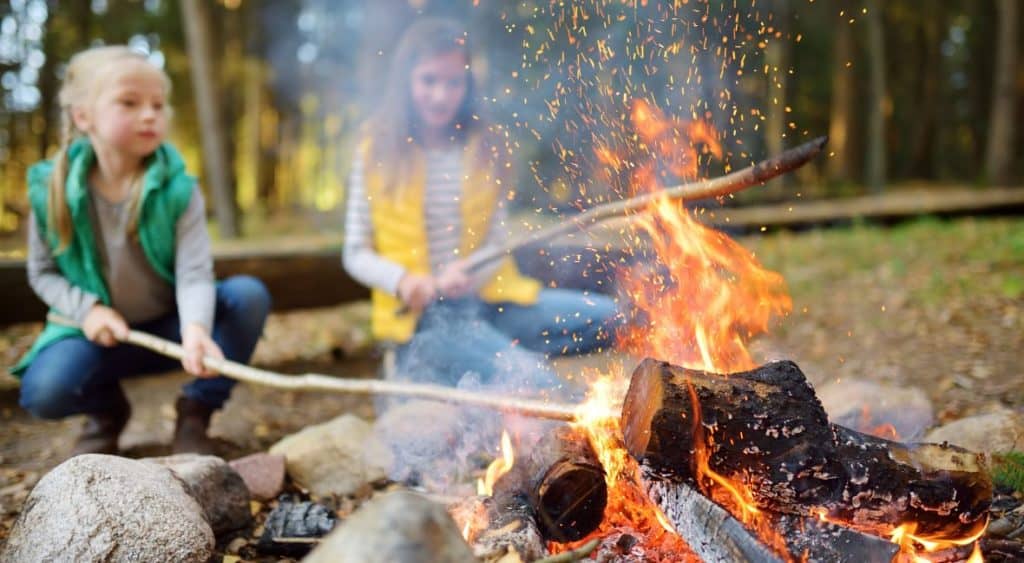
{"x": 400, "y": 235}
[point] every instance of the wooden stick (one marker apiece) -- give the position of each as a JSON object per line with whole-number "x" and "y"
{"x": 573, "y": 554}
{"x": 319, "y": 382}
{"x": 741, "y": 179}
{"x": 731, "y": 183}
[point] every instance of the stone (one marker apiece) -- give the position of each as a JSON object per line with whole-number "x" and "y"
{"x": 217, "y": 488}
{"x": 263, "y": 474}
{"x": 886, "y": 411}
{"x": 334, "y": 458}
{"x": 991, "y": 433}
{"x": 106, "y": 508}
{"x": 398, "y": 526}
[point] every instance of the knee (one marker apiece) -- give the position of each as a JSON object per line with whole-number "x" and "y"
{"x": 246, "y": 297}
{"x": 46, "y": 397}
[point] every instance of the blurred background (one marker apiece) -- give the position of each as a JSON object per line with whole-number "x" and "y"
{"x": 912, "y": 93}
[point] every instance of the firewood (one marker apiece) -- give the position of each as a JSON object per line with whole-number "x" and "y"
{"x": 562, "y": 482}
{"x": 716, "y": 536}
{"x": 510, "y": 528}
{"x": 766, "y": 430}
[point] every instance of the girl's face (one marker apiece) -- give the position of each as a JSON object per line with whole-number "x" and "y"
{"x": 129, "y": 114}
{"x": 439, "y": 86}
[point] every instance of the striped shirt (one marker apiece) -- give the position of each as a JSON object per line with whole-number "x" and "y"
{"x": 442, "y": 210}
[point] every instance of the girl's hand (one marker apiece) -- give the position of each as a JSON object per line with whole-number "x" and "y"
{"x": 416, "y": 291}
{"x": 197, "y": 344}
{"x": 104, "y": 326}
{"x": 454, "y": 280}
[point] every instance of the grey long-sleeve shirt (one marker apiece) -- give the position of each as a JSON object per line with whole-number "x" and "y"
{"x": 443, "y": 218}
{"x": 137, "y": 292}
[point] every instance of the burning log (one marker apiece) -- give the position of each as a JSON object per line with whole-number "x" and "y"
{"x": 716, "y": 536}
{"x": 562, "y": 482}
{"x": 766, "y": 430}
{"x": 495, "y": 531}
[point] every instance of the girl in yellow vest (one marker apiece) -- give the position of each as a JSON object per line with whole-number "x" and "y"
{"x": 117, "y": 238}
{"x": 425, "y": 194}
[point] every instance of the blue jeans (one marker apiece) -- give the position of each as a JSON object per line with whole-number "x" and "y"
{"x": 76, "y": 376}
{"x": 468, "y": 342}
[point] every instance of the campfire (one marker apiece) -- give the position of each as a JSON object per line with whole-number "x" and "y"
{"x": 701, "y": 454}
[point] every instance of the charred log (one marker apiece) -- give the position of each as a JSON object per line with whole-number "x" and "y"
{"x": 496, "y": 531}
{"x": 716, "y": 536}
{"x": 710, "y": 531}
{"x": 562, "y": 482}
{"x": 766, "y": 429}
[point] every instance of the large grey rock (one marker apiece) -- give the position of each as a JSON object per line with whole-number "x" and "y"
{"x": 996, "y": 432}
{"x": 336, "y": 457}
{"x": 218, "y": 488}
{"x": 870, "y": 407}
{"x": 108, "y": 508}
{"x": 398, "y": 526}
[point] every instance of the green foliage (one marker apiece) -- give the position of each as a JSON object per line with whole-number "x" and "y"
{"x": 1008, "y": 470}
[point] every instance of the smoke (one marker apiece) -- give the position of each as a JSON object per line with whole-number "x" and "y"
{"x": 440, "y": 446}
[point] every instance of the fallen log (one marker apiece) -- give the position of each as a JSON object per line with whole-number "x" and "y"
{"x": 562, "y": 482}
{"x": 766, "y": 430}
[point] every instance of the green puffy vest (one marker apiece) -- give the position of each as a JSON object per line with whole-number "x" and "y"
{"x": 166, "y": 192}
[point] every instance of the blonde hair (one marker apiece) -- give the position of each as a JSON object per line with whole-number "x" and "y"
{"x": 84, "y": 78}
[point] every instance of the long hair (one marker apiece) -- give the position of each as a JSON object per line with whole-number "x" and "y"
{"x": 393, "y": 129}
{"x": 84, "y": 78}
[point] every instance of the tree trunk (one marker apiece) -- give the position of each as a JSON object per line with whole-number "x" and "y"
{"x": 213, "y": 137}
{"x": 841, "y": 108}
{"x": 777, "y": 59}
{"x": 1001, "y": 124}
{"x": 766, "y": 430}
{"x": 875, "y": 166}
{"x": 921, "y": 155}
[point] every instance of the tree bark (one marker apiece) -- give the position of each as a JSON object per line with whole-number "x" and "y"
{"x": 1002, "y": 120}
{"x": 875, "y": 166}
{"x": 841, "y": 109}
{"x": 213, "y": 137}
{"x": 766, "y": 430}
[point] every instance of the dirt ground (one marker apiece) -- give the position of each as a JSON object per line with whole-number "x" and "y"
{"x": 933, "y": 304}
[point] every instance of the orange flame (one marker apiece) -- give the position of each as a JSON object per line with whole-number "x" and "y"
{"x": 708, "y": 298}
{"x": 629, "y": 510}
{"x": 500, "y": 466}
{"x": 912, "y": 545}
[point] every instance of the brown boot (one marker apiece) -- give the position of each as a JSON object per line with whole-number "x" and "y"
{"x": 190, "y": 430}
{"x": 103, "y": 429}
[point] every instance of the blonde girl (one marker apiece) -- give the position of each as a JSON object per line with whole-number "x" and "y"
{"x": 117, "y": 239}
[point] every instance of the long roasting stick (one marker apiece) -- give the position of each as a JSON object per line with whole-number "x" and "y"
{"x": 731, "y": 183}
{"x": 319, "y": 382}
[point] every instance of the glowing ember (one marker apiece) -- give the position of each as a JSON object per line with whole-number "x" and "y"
{"x": 497, "y": 468}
